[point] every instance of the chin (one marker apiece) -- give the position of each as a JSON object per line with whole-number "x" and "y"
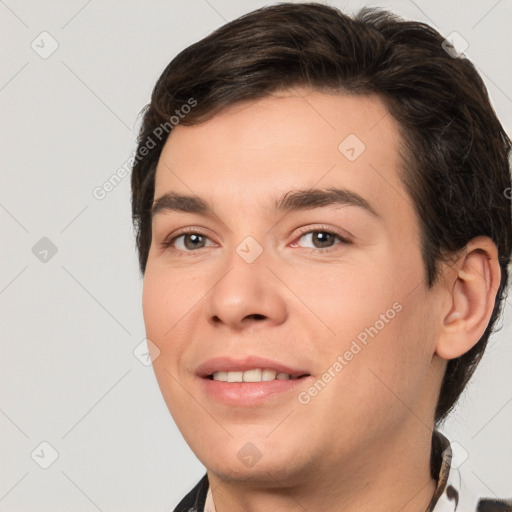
{"x": 267, "y": 474}
{"x": 255, "y": 463}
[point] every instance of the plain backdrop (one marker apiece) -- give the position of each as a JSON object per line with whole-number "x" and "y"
{"x": 70, "y": 291}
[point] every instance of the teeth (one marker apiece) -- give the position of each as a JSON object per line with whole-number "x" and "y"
{"x": 252, "y": 376}
{"x": 268, "y": 375}
{"x": 255, "y": 375}
{"x": 235, "y": 376}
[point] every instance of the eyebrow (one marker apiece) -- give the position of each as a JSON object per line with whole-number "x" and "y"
{"x": 293, "y": 200}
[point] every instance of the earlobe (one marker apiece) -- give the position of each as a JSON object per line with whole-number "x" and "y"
{"x": 473, "y": 295}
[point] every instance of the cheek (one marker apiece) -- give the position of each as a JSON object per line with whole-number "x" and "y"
{"x": 392, "y": 369}
{"x": 340, "y": 302}
{"x": 166, "y": 300}
{"x": 380, "y": 380}
{"x": 380, "y": 329}
{"x": 172, "y": 299}
{"x": 165, "y": 306}
{"x": 155, "y": 305}
{"x": 167, "y": 297}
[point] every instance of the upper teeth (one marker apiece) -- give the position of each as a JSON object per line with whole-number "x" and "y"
{"x": 256, "y": 375}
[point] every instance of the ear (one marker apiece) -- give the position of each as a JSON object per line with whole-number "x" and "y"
{"x": 472, "y": 291}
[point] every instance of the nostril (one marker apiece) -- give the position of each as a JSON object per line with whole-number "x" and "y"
{"x": 257, "y": 316}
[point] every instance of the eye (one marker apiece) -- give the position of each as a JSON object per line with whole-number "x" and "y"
{"x": 319, "y": 239}
{"x": 190, "y": 241}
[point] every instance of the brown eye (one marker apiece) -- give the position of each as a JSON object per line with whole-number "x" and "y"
{"x": 320, "y": 239}
{"x": 193, "y": 241}
{"x": 323, "y": 239}
{"x": 189, "y": 242}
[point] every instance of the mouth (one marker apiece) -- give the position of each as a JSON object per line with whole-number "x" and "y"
{"x": 248, "y": 368}
{"x": 254, "y": 375}
{"x": 250, "y": 380}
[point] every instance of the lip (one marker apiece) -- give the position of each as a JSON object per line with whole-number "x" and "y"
{"x": 249, "y": 362}
{"x": 249, "y": 394}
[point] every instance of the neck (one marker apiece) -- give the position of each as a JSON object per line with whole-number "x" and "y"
{"x": 391, "y": 476}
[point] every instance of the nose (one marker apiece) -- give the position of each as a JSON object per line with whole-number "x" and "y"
{"x": 247, "y": 293}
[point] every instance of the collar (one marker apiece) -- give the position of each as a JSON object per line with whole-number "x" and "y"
{"x": 451, "y": 494}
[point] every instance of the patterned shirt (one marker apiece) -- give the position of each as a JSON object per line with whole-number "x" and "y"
{"x": 451, "y": 495}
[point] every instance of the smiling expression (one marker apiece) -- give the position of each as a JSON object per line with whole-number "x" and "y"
{"x": 271, "y": 241}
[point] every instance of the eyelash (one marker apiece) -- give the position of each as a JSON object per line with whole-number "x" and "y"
{"x": 167, "y": 244}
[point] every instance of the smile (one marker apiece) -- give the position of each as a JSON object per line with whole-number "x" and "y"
{"x": 253, "y": 375}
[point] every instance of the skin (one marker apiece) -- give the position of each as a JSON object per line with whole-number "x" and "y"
{"x": 363, "y": 443}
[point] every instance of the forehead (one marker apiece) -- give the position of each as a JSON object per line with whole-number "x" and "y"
{"x": 255, "y": 150}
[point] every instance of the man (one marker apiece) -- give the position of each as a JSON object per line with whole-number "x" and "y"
{"x": 324, "y": 234}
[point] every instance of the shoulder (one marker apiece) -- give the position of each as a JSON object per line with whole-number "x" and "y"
{"x": 494, "y": 505}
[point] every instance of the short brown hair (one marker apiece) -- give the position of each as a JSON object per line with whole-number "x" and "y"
{"x": 454, "y": 149}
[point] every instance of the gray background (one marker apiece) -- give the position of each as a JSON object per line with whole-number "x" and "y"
{"x": 71, "y": 321}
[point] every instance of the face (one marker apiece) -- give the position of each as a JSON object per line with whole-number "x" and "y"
{"x": 299, "y": 254}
